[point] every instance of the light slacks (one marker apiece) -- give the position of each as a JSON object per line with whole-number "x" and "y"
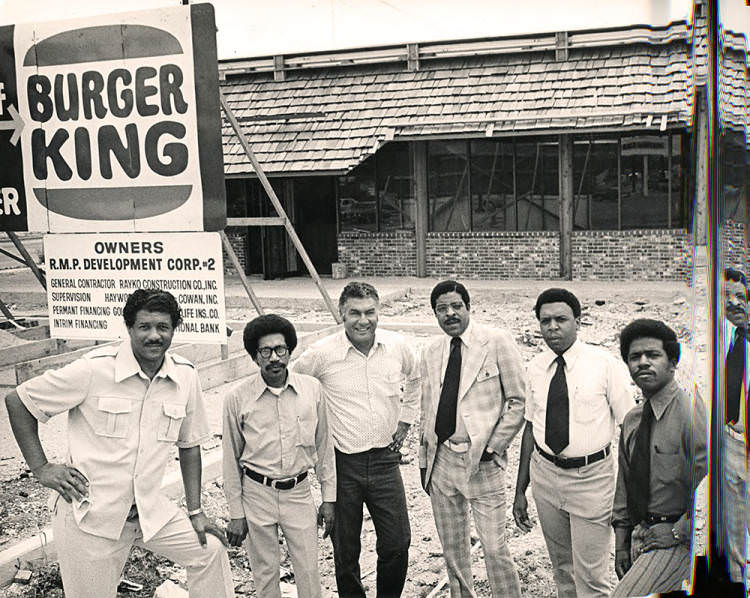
{"x": 452, "y": 491}
{"x": 266, "y": 509}
{"x": 734, "y": 507}
{"x": 575, "y": 511}
{"x": 91, "y": 566}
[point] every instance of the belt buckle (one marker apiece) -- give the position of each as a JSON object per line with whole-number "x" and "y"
{"x": 287, "y": 484}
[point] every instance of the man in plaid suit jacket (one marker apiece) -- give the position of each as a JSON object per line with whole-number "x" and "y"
{"x": 473, "y": 395}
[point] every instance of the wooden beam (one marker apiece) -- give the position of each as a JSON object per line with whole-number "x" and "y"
{"x": 259, "y": 221}
{"x": 700, "y": 211}
{"x": 32, "y": 350}
{"x": 422, "y": 216}
{"x": 240, "y": 272}
{"x": 279, "y": 208}
{"x": 29, "y": 260}
{"x": 566, "y": 206}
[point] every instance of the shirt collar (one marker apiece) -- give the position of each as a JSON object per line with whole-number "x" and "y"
{"x": 126, "y": 365}
{"x": 570, "y": 355}
{"x": 346, "y": 345}
{"x": 662, "y": 399}
{"x": 467, "y": 337}
{"x": 258, "y": 385}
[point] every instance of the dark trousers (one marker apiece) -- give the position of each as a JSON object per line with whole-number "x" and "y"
{"x": 372, "y": 478}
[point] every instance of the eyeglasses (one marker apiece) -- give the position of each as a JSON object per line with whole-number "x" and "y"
{"x": 442, "y": 309}
{"x": 280, "y": 350}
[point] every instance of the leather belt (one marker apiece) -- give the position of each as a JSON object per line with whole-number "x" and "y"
{"x": 573, "y": 462}
{"x": 458, "y": 447}
{"x": 287, "y": 484}
{"x": 653, "y": 519}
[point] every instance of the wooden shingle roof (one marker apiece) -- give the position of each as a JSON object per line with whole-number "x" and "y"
{"x": 328, "y": 112}
{"x": 734, "y": 113}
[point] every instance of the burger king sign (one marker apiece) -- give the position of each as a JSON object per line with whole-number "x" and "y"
{"x": 112, "y": 124}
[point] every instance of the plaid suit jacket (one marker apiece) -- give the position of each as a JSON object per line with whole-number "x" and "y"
{"x": 492, "y": 394}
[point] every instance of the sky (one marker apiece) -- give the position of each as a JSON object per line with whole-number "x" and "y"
{"x": 249, "y": 28}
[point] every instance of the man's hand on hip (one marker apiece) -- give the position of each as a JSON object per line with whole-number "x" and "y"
{"x": 657, "y": 536}
{"x": 70, "y": 483}
{"x": 398, "y": 436}
{"x": 236, "y": 531}
{"x": 326, "y": 517}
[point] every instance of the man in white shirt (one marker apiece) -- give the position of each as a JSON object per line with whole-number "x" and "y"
{"x": 577, "y": 393}
{"x": 370, "y": 379}
{"x": 275, "y": 430}
{"x": 127, "y": 406}
{"x": 734, "y": 499}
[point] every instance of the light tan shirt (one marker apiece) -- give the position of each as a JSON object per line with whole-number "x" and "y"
{"x": 599, "y": 394}
{"x": 121, "y": 426}
{"x": 367, "y": 395}
{"x": 279, "y": 436}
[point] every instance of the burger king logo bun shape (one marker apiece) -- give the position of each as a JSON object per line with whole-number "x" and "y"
{"x": 122, "y": 122}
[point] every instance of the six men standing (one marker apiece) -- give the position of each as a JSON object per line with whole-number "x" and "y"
{"x": 345, "y": 411}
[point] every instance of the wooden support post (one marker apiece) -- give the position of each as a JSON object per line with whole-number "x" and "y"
{"x": 279, "y": 209}
{"x": 700, "y": 209}
{"x": 238, "y": 266}
{"x": 7, "y": 313}
{"x": 566, "y": 207}
{"x": 420, "y": 191}
{"x": 29, "y": 260}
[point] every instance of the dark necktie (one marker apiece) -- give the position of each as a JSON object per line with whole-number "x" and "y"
{"x": 735, "y": 376}
{"x": 640, "y": 468}
{"x": 445, "y": 420}
{"x": 558, "y": 410}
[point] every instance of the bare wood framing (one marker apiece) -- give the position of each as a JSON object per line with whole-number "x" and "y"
{"x": 420, "y": 225}
{"x": 240, "y": 272}
{"x": 279, "y": 208}
{"x": 259, "y": 221}
{"x": 566, "y": 207}
{"x": 29, "y": 260}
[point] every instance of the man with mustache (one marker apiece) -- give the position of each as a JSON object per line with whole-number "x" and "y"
{"x": 274, "y": 430}
{"x": 577, "y": 393}
{"x": 661, "y": 460}
{"x": 734, "y": 499}
{"x": 127, "y": 406}
{"x": 370, "y": 379}
{"x": 473, "y": 396}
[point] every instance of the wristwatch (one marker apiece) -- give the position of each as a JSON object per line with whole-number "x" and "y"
{"x": 199, "y": 510}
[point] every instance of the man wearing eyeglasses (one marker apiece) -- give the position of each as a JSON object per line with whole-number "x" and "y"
{"x": 371, "y": 383}
{"x": 274, "y": 430}
{"x": 473, "y": 396}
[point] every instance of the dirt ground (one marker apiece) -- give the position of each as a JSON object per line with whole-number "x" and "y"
{"x": 607, "y": 308}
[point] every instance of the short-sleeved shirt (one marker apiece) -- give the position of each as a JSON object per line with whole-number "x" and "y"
{"x": 599, "y": 395}
{"x": 121, "y": 426}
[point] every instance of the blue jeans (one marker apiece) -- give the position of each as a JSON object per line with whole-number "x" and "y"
{"x": 372, "y": 478}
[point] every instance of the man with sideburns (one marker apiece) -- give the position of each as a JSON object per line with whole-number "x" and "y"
{"x": 127, "y": 405}
{"x": 577, "y": 394}
{"x": 370, "y": 379}
{"x": 274, "y": 430}
{"x": 661, "y": 461}
{"x": 473, "y": 396}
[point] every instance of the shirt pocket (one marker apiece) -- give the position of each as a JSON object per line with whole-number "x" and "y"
{"x": 667, "y": 468}
{"x": 112, "y": 417}
{"x": 170, "y": 421}
{"x": 588, "y": 402}
{"x": 306, "y": 426}
{"x": 488, "y": 372}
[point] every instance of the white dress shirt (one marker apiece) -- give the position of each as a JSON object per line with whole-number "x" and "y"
{"x": 467, "y": 338}
{"x": 599, "y": 394}
{"x": 367, "y": 395}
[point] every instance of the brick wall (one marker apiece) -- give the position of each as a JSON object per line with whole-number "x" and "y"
{"x": 489, "y": 255}
{"x": 632, "y": 255}
{"x": 597, "y": 255}
{"x": 734, "y": 245}
{"x": 378, "y": 254}
{"x": 237, "y": 241}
